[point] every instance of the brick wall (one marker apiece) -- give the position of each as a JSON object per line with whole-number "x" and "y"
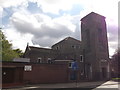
{"x": 46, "y": 73}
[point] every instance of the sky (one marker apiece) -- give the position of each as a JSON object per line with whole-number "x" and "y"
{"x": 42, "y": 23}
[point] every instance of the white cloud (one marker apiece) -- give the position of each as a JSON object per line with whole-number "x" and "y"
{"x": 17, "y": 39}
{"x": 10, "y": 3}
{"x": 1, "y": 10}
{"x": 112, "y": 29}
{"x": 48, "y": 6}
{"x": 107, "y": 8}
{"x": 54, "y": 6}
{"x": 44, "y": 28}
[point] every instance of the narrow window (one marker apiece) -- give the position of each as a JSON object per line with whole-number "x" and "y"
{"x": 101, "y": 39}
{"x": 100, "y": 36}
{"x": 49, "y": 60}
{"x": 39, "y": 60}
{"x": 81, "y": 58}
{"x": 88, "y": 47}
{"x": 70, "y": 65}
{"x": 73, "y": 46}
{"x": 57, "y": 47}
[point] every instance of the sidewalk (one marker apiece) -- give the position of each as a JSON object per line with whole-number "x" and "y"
{"x": 60, "y": 85}
{"x": 112, "y": 85}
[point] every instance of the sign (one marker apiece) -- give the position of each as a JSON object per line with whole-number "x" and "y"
{"x": 74, "y": 65}
{"x": 28, "y": 68}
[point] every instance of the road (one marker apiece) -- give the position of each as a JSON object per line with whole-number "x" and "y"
{"x": 100, "y": 85}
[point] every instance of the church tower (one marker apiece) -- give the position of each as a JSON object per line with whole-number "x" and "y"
{"x": 95, "y": 46}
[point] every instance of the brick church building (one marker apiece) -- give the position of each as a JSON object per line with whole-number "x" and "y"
{"x": 91, "y": 53}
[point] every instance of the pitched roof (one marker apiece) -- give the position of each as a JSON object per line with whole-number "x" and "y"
{"x": 92, "y": 14}
{"x": 67, "y": 39}
{"x": 38, "y": 48}
{"x": 32, "y": 48}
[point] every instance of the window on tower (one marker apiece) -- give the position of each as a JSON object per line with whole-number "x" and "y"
{"x": 100, "y": 39}
{"x": 87, "y": 40}
{"x": 81, "y": 58}
{"x": 100, "y": 35}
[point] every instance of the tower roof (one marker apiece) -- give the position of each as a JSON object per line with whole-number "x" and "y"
{"x": 92, "y": 14}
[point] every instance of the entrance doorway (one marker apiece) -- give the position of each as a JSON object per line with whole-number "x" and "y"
{"x": 104, "y": 72}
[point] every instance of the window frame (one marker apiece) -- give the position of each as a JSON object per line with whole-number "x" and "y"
{"x": 81, "y": 58}
{"x": 39, "y": 60}
{"x": 70, "y": 65}
{"x": 49, "y": 60}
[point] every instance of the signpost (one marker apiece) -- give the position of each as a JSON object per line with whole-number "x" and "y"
{"x": 74, "y": 65}
{"x": 75, "y": 68}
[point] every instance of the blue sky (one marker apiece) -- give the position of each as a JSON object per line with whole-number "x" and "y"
{"x": 34, "y": 21}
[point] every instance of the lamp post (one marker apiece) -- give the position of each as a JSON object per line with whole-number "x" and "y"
{"x": 75, "y": 68}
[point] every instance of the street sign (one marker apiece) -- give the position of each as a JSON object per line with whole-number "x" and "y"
{"x": 74, "y": 65}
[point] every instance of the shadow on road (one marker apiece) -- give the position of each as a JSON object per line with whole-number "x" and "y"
{"x": 78, "y": 86}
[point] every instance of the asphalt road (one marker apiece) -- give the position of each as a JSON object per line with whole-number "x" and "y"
{"x": 100, "y": 85}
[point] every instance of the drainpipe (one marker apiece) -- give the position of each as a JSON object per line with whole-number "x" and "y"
{"x": 84, "y": 62}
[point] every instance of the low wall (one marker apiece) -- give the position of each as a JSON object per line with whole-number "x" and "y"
{"x": 46, "y": 73}
{"x": 14, "y": 73}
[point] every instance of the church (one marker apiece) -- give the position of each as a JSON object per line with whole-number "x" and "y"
{"x": 70, "y": 59}
{"x": 91, "y": 53}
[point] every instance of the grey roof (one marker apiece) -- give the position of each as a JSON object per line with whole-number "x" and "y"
{"x": 48, "y": 49}
{"x": 92, "y": 14}
{"x": 38, "y": 48}
{"x": 67, "y": 39}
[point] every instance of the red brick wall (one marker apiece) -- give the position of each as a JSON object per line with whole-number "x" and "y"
{"x": 46, "y": 73}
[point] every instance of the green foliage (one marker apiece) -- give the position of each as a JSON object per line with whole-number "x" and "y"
{"x": 6, "y": 49}
{"x": 0, "y": 45}
{"x": 19, "y": 52}
{"x": 115, "y": 78}
{"x": 116, "y": 56}
{"x": 115, "y": 64}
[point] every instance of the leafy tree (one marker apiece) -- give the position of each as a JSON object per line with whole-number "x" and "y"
{"x": 116, "y": 63}
{"x": 116, "y": 56}
{"x": 6, "y": 49}
{"x": 19, "y": 52}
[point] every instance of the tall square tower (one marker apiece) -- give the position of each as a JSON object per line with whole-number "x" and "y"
{"x": 95, "y": 46}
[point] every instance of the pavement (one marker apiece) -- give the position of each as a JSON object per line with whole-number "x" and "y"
{"x": 109, "y": 85}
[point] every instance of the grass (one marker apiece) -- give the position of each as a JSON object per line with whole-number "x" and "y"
{"x": 116, "y": 79}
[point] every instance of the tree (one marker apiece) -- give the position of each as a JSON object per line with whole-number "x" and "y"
{"x": 6, "y": 50}
{"x": 116, "y": 63}
{"x": 19, "y": 52}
